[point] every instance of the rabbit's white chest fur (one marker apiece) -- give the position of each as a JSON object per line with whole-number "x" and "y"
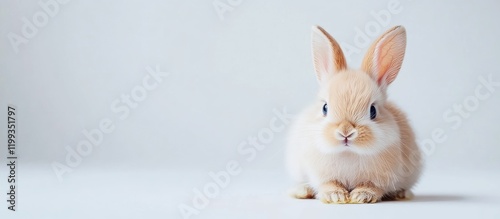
{"x": 308, "y": 164}
{"x": 351, "y": 169}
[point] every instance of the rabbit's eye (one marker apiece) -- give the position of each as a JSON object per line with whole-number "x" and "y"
{"x": 373, "y": 112}
{"x": 325, "y": 109}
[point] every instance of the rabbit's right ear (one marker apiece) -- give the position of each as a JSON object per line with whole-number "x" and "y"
{"x": 327, "y": 54}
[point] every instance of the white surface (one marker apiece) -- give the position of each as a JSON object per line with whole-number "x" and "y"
{"x": 157, "y": 193}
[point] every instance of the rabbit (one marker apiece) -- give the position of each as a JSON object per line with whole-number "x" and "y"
{"x": 352, "y": 145}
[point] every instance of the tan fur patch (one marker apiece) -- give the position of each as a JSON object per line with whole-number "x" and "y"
{"x": 350, "y": 95}
{"x": 345, "y": 127}
{"x": 365, "y": 136}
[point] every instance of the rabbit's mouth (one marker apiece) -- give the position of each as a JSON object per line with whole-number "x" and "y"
{"x": 346, "y": 142}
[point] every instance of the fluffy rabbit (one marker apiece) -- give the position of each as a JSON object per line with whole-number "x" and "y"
{"x": 352, "y": 145}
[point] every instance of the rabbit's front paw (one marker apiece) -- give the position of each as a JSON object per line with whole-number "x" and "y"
{"x": 365, "y": 193}
{"x": 333, "y": 193}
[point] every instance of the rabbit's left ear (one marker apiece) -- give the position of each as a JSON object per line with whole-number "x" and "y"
{"x": 385, "y": 56}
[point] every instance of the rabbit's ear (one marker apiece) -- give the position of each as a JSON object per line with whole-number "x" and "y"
{"x": 328, "y": 57}
{"x": 385, "y": 56}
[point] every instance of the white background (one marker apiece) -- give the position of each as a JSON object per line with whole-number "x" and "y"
{"x": 227, "y": 75}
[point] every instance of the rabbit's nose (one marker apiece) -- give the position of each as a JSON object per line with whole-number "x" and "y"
{"x": 343, "y": 135}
